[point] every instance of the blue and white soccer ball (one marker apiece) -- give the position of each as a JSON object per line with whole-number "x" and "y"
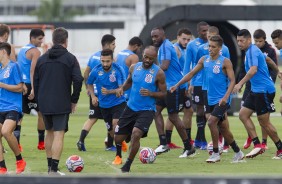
{"x": 75, "y": 163}
{"x": 147, "y": 155}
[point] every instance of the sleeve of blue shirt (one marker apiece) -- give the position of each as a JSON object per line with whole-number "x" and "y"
{"x": 165, "y": 53}
{"x": 92, "y": 77}
{"x": 253, "y": 58}
{"x": 225, "y": 52}
{"x": 16, "y": 72}
{"x": 121, "y": 75}
{"x": 188, "y": 60}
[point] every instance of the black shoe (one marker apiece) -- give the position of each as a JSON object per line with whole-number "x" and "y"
{"x": 125, "y": 168}
{"x": 80, "y": 146}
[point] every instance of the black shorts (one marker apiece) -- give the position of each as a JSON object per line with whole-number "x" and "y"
{"x": 187, "y": 102}
{"x": 218, "y": 111}
{"x": 28, "y": 104}
{"x": 94, "y": 111}
{"x": 205, "y": 98}
{"x": 130, "y": 119}
{"x": 261, "y": 103}
{"x": 247, "y": 90}
{"x": 57, "y": 122}
{"x": 197, "y": 95}
{"x": 13, "y": 115}
{"x": 174, "y": 102}
{"x": 112, "y": 113}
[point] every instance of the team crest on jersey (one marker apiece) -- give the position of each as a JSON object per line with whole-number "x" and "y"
{"x": 149, "y": 78}
{"x": 206, "y": 47}
{"x": 112, "y": 77}
{"x": 220, "y": 52}
{"x": 139, "y": 67}
{"x": 208, "y": 60}
{"x": 216, "y": 69}
{"x": 217, "y": 62}
{"x": 7, "y": 73}
{"x": 152, "y": 71}
{"x": 100, "y": 73}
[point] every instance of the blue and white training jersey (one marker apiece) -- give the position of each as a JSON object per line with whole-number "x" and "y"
{"x": 182, "y": 56}
{"x": 111, "y": 79}
{"x": 25, "y": 63}
{"x": 174, "y": 72}
{"x": 143, "y": 78}
{"x": 261, "y": 82}
{"x": 11, "y": 75}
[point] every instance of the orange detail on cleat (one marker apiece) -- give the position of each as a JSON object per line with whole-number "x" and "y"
{"x": 41, "y": 146}
{"x": 117, "y": 161}
{"x": 124, "y": 146}
{"x": 20, "y": 166}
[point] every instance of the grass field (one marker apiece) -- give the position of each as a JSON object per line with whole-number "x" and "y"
{"x": 98, "y": 161}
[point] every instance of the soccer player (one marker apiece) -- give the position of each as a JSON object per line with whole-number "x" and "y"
{"x": 260, "y": 41}
{"x": 169, "y": 63}
{"x": 57, "y": 85}
{"x": 221, "y": 80}
{"x": 202, "y": 51}
{"x": 4, "y": 36}
{"x": 11, "y": 87}
{"x": 147, "y": 82}
{"x": 107, "y": 42}
{"x": 196, "y": 85}
{"x": 108, "y": 77}
{"x": 184, "y": 36}
{"x": 27, "y": 59}
{"x": 260, "y": 99}
{"x": 129, "y": 56}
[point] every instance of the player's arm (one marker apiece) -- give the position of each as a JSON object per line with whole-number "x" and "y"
{"x": 18, "y": 88}
{"x": 90, "y": 88}
{"x": 189, "y": 75}
{"x": 272, "y": 64}
{"x": 132, "y": 59}
{"x": 177, "y": 52}
{"x": 231, "y": 76}
{"x": 127, "y": 84}
{"x": 252, "y": 71}
{"x": 34, "y": 54}
{"x": 160, "y": 82}
{"x": 13, "y": 53}
{"x": 86, "y": 75}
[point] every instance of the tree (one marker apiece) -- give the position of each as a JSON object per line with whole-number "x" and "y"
{"x": 53, "y": 11}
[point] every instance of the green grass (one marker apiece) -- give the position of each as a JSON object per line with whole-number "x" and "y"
{"x": 98, "y": 161}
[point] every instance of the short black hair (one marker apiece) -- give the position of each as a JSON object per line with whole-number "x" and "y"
{"x": 107, "y": 52}
{"x": 276, "y": 34}
{"x": 184, "y": 31}
{"x": 5, "y": 46}
{"x": 36, "y": 33}
{"x": 107, "y": 39}
{"x": 202, "y": 23}
{"x": 245, "y": 33}
{"x": 218, "y": 39}
{"x": 259, "y": 33}
{"x": 135, "y": 41}
{"x": 60, "y": 36}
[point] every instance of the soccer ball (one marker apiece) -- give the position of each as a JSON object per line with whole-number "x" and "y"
{"x": 75, "y": 163}
{"x": 147, "y": 156}
{"x": 210, "y": 148}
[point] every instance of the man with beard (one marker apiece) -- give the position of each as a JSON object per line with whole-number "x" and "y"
{"x": 147, "y": 82}
{"x": 169, "y": 63}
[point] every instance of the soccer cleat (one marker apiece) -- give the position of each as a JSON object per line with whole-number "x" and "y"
{"x": 3, "y": 170}
{"x": 41, "y": 145}
{"x": 191, "y": 141}
{"x": 215, "y": 157}
{"x": 188, "y": 153}
{"x": 248, "y": 143}
{"x": 173, "y": 146}
{"x": 117, "y": 161}
{"x": 225, "y": 149}
{"x": 124, "y": 146}
{"x": 162, "y": 149}
{"x": 125, "y": 168}
{"x": 80, "y": 146}
{"x": 20, "y": 147}
{"x": 278, "y": 155}
{"x": 204, "y": 146}
{"x": 56, "y": 173}
{"x": 112, "y": 148}
{"x": 256, "y": 151}
{"x": 20, "y": 166}
{"x": 197, "y": 144}
{"x": 264, "y": 146}
{"x": 238, "y": 157}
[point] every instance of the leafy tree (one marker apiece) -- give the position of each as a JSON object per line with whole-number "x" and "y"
{"x": 53, "y": 11}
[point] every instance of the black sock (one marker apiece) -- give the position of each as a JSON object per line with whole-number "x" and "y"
{"x": 17, "y": 133}
{"x": 3, "y": 164}
{"x": 163, "y": 140}
{"x": 168, "y": 134}
{"x": 256, "y": 141}
{"x": 278, "y": 145}
{"x": 226, "y": 143}
{"x": 41, "y": 135}
{"x": 128, "y": 162}
{"x": 235, "y": 147}
{"x": 188, "y": 131}
{"x": 83, "y": 134}
{"x": 215, "y": 150}
{"x": 264, "y": 141}
{"x": 201, "y": 128}
{"x": 187, "y": 145}
{"x": 118, "y": 150}
{"x": 110, "y": 140}
{"x": 127, "y": 165}
{"x": 19, "y": 157}
{"x": 49, "y": 162}
{"x": 54, "y": 165}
